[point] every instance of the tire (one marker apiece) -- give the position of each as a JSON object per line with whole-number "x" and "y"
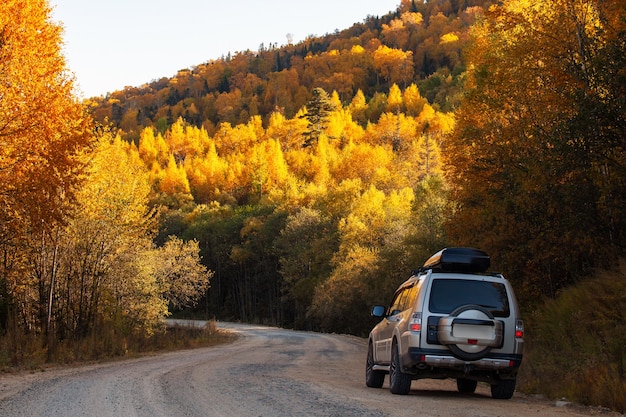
{"x": 373, "y": 378}
{"x": 467, "y": 307}
{"x": 458, "y": 352}
{"x": 466, "y": 386}
{"x": 399, "y": 382}
{"x": 503, "y": 390}
{"x": 466, "y": 356}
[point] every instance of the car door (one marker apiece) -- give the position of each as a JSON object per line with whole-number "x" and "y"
{"x": 391, "y": 320}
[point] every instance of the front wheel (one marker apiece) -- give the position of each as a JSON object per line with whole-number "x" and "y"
{"x": 399, "y": 382}
{"x": 504, "y": 389}
{"x": 373, "y": 378}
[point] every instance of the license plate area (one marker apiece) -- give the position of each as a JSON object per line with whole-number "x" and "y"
{"x": 468, "y": 331}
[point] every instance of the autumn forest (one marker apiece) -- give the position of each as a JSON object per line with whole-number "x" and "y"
{"x": 299, "y": 185}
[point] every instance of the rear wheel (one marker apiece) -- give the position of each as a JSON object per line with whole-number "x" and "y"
{"x": 466, "y": 386}
{"x": 373, "y": 378}
{"x": 399, "y": 382}
{"x": 504, "y": 389}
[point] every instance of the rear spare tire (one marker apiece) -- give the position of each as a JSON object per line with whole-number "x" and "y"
{"x": 470, "y": 332}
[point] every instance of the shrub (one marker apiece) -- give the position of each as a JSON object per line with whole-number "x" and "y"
{"x": 576, "y": 343}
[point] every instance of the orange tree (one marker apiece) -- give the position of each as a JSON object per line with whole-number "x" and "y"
{"x": 537, "y": 160}
{"x": 42, "y": 132}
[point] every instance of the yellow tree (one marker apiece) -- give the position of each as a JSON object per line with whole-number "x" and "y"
{"x": 369, "y": 163}
{"x": 229, "y": 139}
{"x": 395, "y": 130}
{"x": 278, "y": 169}
{"x": 425, "y": 116}
{"x": 394, "y": 65}
{"x": 174, "y": 179}
{"x": 342, "y": 128}
{"x": 374, "y": 217}
{"x": 147, "y": 146}
{"x": 413, "y": 100}
{"x": 441, "y": 124}
{"x": 43, "y": 130}
{"x": 110, "y": 277}
{"x": 394, "y": 99}
{"x": 376, "y": 226}
{"x": 358, "y": 107}
{"x": 180, "y": 276}
{"x": 206, "y": 175}
{"x": 287, "y": 131}
{"x": 100, "y": 269}
{"x": 365, "y": 225}
{"x": 154, "y": 151}
{"x": 321, "y": 161}
{"x": 184, "y": 140}
{"x": 266, "y": 167}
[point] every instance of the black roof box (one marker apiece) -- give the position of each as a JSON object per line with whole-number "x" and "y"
{"x": 459, "y": 260}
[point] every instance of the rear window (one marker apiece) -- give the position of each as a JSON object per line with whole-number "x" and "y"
{"x": 449, "y": 294}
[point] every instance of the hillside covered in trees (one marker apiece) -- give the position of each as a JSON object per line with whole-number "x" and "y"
{"x": 297, "y": 186}
{"x": 420, "y": 44}
{"x": 249, "y": 146}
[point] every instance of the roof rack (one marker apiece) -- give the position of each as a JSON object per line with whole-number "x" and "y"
{"x": 460, "y": 259}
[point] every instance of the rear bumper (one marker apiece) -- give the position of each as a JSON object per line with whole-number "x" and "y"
{"x": 452, "y": 362}
{"x": 431, "y": 361}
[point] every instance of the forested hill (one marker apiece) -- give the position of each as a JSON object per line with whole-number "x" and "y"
{"x": 421, "y": 43}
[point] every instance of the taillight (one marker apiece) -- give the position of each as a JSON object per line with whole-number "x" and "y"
{"x": 415, "y": 324}
{"x": 519, "y": 329}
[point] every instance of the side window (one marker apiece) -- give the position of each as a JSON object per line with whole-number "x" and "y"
{"x": 409, "y": 300}
{"x": 395, "y": 306}
{"x": 403, "y": 300}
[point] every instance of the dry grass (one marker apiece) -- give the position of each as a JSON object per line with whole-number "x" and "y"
{"x": 22, "y": 351}
{"x": 576, "y": 344}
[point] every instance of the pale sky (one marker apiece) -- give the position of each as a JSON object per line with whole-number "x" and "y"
{"x": 110, "y": 44}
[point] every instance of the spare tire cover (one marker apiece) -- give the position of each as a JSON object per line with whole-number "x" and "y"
{"x": 473, "y": 325}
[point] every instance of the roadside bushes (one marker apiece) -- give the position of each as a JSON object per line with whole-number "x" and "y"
{"x": 576, "y": 344}
{"x": 28, "y": 351}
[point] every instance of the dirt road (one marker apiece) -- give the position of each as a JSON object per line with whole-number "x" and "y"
{"x": 266, "y": 372}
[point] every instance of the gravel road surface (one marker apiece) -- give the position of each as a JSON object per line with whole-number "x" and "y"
{"x": 266, "y": 372}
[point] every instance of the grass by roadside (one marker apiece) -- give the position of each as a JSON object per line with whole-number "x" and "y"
{"x": 30, "y": 352}
{"x": 576, "y": 343}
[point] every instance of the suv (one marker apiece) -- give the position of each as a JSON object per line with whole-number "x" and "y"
{"x": 451, "y": 319}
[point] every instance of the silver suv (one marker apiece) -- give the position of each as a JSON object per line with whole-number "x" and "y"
{"x": 451, "y": 319}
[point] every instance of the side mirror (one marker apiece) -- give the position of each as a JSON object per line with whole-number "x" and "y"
{"x": 378, "y": 311}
